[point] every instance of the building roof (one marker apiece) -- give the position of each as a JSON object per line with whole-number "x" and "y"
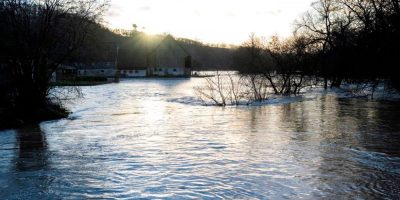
{"x": 171, "y": 40}
{"x": 95, "y": 65}
{"x": 168, "y": 53}
{"x": 66, "y": 67}
{"x": 133, "y": 68}
{"x": 140, "y": 52}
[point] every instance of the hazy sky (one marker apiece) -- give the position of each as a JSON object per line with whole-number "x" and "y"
{"x": 213, "y": 21}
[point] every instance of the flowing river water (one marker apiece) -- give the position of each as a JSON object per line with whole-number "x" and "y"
{"x": 150, "y": 139}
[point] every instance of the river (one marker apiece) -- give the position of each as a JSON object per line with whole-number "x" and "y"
{"x": 150, "y": 139}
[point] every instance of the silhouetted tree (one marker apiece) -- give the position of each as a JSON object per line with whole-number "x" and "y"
{"x": 36, "y": 36}
{"x": 356, "y": 40}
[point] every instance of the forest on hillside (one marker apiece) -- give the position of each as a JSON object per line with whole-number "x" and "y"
{"x": 130, "y": 49}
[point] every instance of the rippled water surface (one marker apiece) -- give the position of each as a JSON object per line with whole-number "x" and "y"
{"x": 150, "y": 139}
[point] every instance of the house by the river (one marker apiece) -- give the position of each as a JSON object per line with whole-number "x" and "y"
{"x": 63, "y": 73}
{"x": 162, "y": 58}
{"x": 98, "y": 69}
{"x": 169, "y": 58}
{"x": 70, "y": 71}
{"x": 165, "y": 58}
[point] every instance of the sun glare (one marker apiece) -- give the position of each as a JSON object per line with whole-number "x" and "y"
{"x": 209, "y": 21}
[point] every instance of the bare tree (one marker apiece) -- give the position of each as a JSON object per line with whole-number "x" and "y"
{"x": 318, "y": 25}
{"x": 36, "y": 36}
{"x": 213, "y": 90}
{"x": 226, "y": 88}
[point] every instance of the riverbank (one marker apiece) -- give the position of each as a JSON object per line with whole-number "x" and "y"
{"x": 85, "y": 81}
{"x": 80, "y": 83}
{"x": 15, "y": 117}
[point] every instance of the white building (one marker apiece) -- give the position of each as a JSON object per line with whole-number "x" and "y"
{"x": 101, "y": 69}
{"x": 167, "y": 71}
{"x": 132, "y": 73}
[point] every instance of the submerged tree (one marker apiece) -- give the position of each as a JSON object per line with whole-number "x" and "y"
{"x": 278, "y": 66}
{"x": 355, "y": 40}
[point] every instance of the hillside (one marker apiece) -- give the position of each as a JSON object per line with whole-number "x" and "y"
{"x": 133, "y": 47}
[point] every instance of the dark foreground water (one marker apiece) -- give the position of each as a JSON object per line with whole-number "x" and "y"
{"x": 149, "y": 139}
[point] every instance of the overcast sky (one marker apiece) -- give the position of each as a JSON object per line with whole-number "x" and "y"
{"x": 211, "y": 21}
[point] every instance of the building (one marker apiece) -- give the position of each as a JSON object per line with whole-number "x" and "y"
{"x": 98, "y": 69}
{"x": 132, "y": 72}
{"x": 160, "y": 57}
{"x": 70, "y": 72}
{"x": 63, "y": 73}
{"x": 169, "y": 58}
